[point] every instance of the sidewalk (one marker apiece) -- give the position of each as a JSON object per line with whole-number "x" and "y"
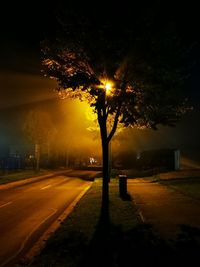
{"x": 165, "y": 208}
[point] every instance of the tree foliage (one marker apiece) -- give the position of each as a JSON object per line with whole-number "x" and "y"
{"x": 147, "y": 67}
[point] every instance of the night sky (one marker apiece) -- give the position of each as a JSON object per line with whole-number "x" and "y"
{"x": 24, "y": 25}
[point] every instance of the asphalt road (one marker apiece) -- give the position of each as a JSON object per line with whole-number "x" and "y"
{"x": 26, "y": 211}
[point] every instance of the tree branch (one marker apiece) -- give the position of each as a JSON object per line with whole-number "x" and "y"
{"x": 114, "y": 128}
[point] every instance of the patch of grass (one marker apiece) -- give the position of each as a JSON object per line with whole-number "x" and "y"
{"x": 20, "y": 175}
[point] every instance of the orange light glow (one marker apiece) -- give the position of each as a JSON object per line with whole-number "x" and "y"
{"x": 108, "y": 86}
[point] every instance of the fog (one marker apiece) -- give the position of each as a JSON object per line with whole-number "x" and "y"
{"x": 70, "y": 120}
{"x": 19, "y": 88}
{"x": 77, "y": 135}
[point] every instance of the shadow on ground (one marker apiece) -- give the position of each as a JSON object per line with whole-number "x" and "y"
{"x": 139, "y": 247}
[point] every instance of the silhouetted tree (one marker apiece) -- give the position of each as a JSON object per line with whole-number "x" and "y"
{"x": 129, "y": 70}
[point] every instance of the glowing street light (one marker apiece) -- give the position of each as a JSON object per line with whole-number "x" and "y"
{"x": 108, "y": 87}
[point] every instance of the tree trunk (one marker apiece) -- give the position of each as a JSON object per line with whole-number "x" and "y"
{"x": 102, "y": 119}
{"x": 67, "y": 158}
{"x": 48, "y": 155}
{"x": 105, "y": 186}
{"x": 109, "y": 160}
{"x": 37, "y": 157}
{"x": 104, "y": 217}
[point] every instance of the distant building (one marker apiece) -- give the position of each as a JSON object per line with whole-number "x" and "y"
{"x": 166, "y": 159}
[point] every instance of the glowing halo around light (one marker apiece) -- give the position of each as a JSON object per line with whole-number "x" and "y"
{"x": 108, "y": 86}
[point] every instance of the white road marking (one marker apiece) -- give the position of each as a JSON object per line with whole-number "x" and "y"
{"x": 45, "y": 187}
{"x": 6, "y": 204}
{"x": 141, "y": 216}
{"x": 139, "y": 211}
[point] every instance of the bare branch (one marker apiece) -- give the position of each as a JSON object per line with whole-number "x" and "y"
{"x": 114, "y": 128}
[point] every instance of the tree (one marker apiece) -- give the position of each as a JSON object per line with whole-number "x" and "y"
{"x": 130, "y": 71}
{"x": 39, "y": 128}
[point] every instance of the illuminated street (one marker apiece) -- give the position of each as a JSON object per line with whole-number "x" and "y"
{"x": 26, "y": 211}
{"x": 108, "y": 91}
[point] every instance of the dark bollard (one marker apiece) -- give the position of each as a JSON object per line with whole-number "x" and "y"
{"x": 122, "y": 185}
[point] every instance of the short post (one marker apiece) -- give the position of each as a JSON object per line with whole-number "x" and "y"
{"x": 122, "y": 185}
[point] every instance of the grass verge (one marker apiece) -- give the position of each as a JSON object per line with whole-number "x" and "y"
{"x": 20, "y": 175}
